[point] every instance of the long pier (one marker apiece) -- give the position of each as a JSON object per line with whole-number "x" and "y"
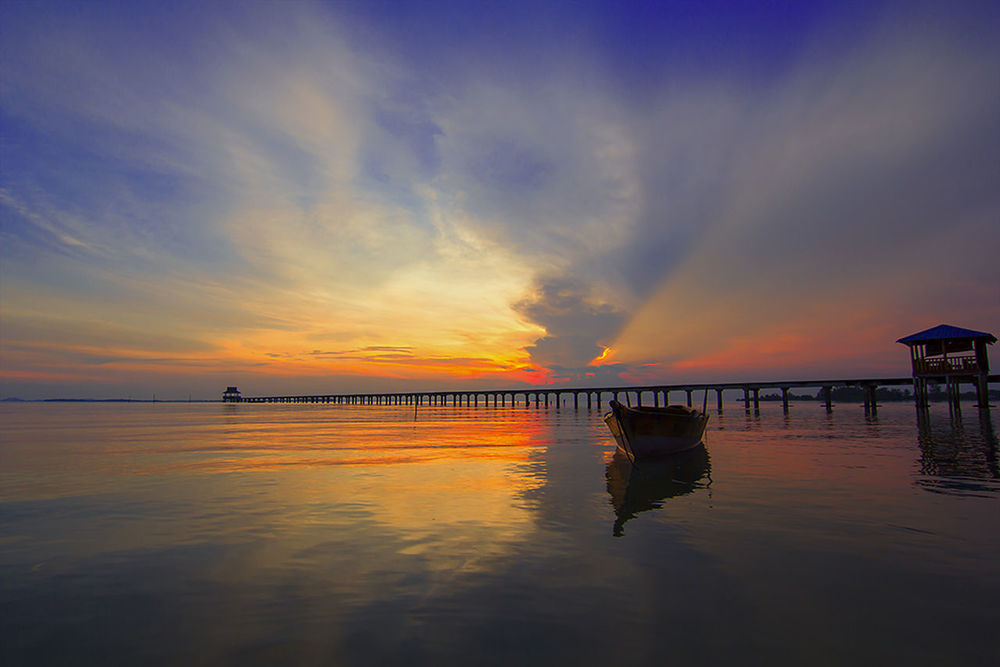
{"x": 655, "y": 395}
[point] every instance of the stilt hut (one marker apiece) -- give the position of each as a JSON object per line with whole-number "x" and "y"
{"x": 950, "y": 355}
{"x": 231, "y": 395}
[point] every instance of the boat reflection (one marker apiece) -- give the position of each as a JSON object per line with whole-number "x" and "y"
{"x": 639, "y": 488}
{"x": 956, "y": 459}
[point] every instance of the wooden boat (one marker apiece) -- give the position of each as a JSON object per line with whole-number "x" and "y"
{"x": 644, "y": 433}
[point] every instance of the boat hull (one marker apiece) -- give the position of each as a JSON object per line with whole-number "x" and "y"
{"x": 645, "y": 433}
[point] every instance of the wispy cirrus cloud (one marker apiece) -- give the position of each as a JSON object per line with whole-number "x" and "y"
{"x": 856, "y": 184}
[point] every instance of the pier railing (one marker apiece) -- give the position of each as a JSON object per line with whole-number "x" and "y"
{"x": 946, "y": 366}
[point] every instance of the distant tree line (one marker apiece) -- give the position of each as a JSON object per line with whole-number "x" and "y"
{"x": 885, "y": 394}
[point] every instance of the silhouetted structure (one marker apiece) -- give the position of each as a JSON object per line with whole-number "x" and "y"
{"x": 231, "y": 395}
{"x": 950, "y": 355}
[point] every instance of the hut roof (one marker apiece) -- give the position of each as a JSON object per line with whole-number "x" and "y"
{"x": 946, "y": 332}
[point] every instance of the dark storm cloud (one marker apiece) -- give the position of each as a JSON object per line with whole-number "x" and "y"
{"x": 575, "y": 324}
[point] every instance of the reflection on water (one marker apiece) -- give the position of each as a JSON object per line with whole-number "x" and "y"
{"x": 291, "y": 534}
{"x": 640, "y": 488}
{"x": 956, "y": 456}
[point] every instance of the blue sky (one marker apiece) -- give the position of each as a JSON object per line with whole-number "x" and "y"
{"x": 351, "y": 196}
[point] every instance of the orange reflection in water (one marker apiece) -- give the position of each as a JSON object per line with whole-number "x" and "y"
{"x": 297, "y": 438}
{"x": 452, "y": 484}
{"x": 453, "y": 487}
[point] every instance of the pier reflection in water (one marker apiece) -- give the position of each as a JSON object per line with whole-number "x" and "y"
{"x": 636, "y": 488}
{"x": 958, "y": 456}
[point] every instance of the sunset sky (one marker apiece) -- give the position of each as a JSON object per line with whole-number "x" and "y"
{"x": 355, "y": 196}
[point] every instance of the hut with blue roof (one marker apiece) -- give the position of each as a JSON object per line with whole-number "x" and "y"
{"x": 950, "y": 355}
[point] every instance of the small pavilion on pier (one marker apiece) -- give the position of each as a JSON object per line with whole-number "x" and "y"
{"x": 231, "y": 395}
{"x": 950, "y": 355}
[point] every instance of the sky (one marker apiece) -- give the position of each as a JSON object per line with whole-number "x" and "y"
{"x": 308, "y": 197}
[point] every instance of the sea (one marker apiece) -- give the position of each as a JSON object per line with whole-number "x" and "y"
{"x": 243, "y": 534}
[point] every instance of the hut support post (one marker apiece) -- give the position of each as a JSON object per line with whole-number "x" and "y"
{"x": 955, "y": 396}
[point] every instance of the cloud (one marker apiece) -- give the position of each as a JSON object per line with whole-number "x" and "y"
{"x": 254, "y": 191}
{"x": 52, "y": 224}
{"x": 862, "y": 193}
{"x": 575, "y": 324}
{"x": 543, "y": 169}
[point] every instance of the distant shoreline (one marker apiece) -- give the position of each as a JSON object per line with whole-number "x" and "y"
{"x": 110, "y": 400}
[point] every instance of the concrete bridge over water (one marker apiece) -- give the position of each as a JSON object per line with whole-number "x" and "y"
{"x": 654, "y": 395}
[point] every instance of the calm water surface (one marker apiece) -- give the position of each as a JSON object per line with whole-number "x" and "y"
{"x": 241, "y": 534}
